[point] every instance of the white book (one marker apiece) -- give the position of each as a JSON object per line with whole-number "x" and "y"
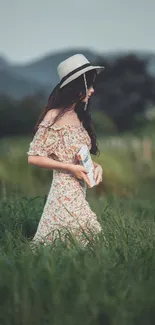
{"x": 85, "y": 160}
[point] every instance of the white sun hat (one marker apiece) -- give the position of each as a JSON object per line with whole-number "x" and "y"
{"x": 73, "y": 67}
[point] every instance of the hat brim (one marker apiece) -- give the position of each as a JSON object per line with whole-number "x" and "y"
{"x": 79, "y": 73}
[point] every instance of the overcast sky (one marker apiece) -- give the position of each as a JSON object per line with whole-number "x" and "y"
{"x": 31, "y": 28}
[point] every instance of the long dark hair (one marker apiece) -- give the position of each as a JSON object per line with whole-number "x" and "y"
{"x": 73, "y": 93}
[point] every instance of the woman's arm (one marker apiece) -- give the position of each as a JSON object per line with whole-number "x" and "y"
{"x": 78, "y": 171}
{"x": 49, "y": 163}
{"x": 95, "y": 164}
{"x": 97, "y": 172}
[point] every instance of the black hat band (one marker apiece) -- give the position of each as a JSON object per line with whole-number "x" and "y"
{"x": 73, "y": 72}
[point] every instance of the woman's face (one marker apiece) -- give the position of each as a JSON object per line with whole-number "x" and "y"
{"x": 89, "y": 94}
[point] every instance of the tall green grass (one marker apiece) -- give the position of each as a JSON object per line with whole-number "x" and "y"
{"x": 110, "y": 282}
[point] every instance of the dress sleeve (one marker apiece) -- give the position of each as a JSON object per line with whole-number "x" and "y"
{"x": 44, "y": 142}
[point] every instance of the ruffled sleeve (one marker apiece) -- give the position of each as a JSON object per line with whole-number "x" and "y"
{"x": 45, "y": 140}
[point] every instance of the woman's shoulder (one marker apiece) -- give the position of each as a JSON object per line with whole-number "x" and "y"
{"x": 50, "y": 116}
{"x": 48, "y": 120}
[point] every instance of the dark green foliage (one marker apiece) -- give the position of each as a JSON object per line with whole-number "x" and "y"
{"x": 125, "y": 89}
{"x": 19, "y": 117}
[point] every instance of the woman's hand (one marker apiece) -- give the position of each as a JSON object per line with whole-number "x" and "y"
{"x": 80, "y": 172}
{"x": 98, "y": 172}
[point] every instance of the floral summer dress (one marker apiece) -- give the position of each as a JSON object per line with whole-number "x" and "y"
{"x": 66, "y": 208}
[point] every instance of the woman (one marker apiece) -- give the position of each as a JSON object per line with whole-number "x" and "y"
{"x": 63, "y": 127}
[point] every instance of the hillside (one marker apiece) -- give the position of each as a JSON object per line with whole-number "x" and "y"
{"x": 16, "y": 86}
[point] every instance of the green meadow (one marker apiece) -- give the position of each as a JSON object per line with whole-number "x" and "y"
{"x": 109, "y": 282}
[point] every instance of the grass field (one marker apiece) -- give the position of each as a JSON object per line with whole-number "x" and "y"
{"x": 108, "y": 282}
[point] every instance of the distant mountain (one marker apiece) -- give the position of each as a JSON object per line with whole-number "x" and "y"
{"x": 16, "y": 86}
{"x": 3, "y": 62}
{"x": 26, "y": 79}
{"x": 44, "y": 69}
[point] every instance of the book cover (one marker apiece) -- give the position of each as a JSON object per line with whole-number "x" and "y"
{"x": 85, "y": 160}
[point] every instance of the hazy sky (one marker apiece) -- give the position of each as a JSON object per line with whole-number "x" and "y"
{"x": 31, "y": 28}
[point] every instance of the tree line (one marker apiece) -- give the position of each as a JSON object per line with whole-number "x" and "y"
{"x": 123, "y": 92}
